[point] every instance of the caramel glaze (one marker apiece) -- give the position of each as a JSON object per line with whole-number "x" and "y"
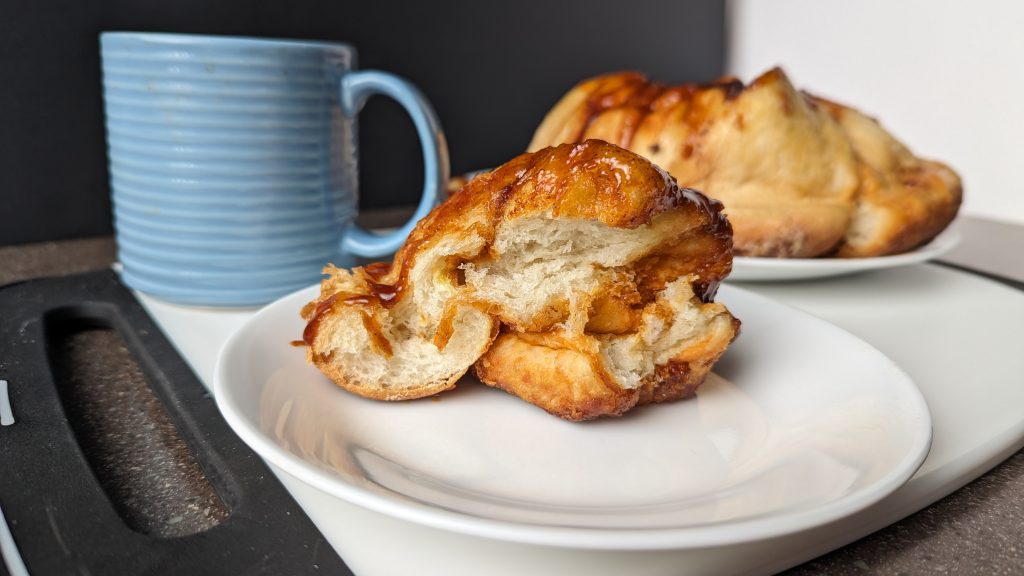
{"x": 707, "y": 254}
{"x": 445, "y": 327}
{"x": 314, "y": 320}
{"x": 381, "y": 292}
{"x": 590, "y": 180}
{"x": 637, "y": 99}
{"x": 381, "y": 345}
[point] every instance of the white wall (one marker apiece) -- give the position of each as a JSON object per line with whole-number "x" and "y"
{"x": 946, "y": 77}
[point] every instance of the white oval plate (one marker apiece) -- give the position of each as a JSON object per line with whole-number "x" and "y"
{"x": 801, "y": 424}
{"x": 746, "y": 269}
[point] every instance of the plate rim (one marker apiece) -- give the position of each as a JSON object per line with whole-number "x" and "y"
{"x": 783, "y": 269}
{"x": 634, "y": 539}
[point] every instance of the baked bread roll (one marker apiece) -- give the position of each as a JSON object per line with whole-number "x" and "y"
{"x": 800, "y": 177}
{"x": 591, "y": 271}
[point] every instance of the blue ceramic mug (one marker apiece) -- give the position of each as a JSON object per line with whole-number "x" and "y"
{"x": 233, "y": 162}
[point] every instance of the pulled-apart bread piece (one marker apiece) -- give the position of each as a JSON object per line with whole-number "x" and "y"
{"x": 398, "y": 332}
{"x": 799, "y": 177}
{"x": 598, "y": 271}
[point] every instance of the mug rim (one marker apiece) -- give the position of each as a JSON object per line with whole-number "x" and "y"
{"x": 188, "y": 39}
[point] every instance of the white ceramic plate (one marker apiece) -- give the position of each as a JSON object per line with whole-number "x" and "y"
{"x": 801, "y": 424}
{"x": 746, "y": 269}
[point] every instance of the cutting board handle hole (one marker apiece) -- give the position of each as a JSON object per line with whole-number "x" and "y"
{"x": 124, "y": 431}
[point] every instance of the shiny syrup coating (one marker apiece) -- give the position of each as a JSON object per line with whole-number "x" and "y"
{"x": 387, "y": 295}
{"x": 635, "y": 98}
{"x": 313, "y": 325}
{"x": 380, "y": 293}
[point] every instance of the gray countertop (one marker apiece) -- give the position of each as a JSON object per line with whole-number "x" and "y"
{"x": 978, "y": 529}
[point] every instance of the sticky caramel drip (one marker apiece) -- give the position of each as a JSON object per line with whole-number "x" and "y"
{"x": 381, "y": 292}
{"x": 445, "y": 327}
{"x": 378, "y": 340}
{"x": 313, "y": 326}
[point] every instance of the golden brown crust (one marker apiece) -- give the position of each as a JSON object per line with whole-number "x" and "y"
{"x": 567, "y": 377}
{"x": 374, "y": 391}
{"x": 791, "y": 173}
{"x": 562, "y": 380}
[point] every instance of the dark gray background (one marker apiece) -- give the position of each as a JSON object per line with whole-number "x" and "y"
{"x": 491, "y": 69}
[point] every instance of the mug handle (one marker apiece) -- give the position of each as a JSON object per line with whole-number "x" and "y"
{"x": 356, "y": 89}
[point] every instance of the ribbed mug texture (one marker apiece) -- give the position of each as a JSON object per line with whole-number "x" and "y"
{"x": 232, "y": 169}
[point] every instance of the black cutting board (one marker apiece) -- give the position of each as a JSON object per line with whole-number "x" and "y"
{"x": 118, "y": 461}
